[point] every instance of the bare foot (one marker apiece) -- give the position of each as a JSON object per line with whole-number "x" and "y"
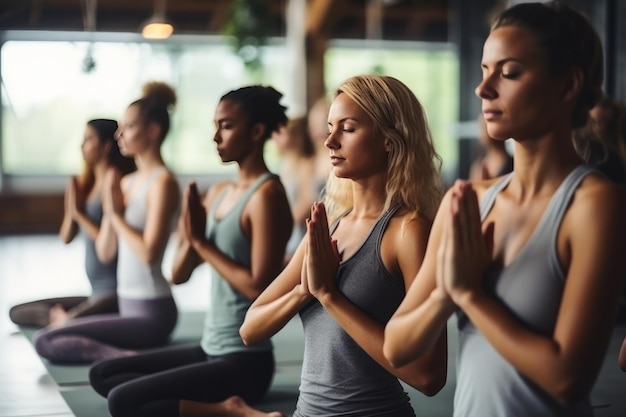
{"x": 234, "y": 406}
{"x": 58, "y": 316}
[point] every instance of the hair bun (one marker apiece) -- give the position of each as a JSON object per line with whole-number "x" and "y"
{"x": 160, "y": 93}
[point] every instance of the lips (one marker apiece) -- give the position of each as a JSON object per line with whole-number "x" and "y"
{"x": 490, "y": 114}
{"x": 334, "y": 160}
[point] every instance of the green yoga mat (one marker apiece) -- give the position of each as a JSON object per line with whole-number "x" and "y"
{"x": 288, "y": 343}
{"x": 188, "y": 330}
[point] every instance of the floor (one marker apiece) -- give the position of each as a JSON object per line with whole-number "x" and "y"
{"x": 33, "y": 267}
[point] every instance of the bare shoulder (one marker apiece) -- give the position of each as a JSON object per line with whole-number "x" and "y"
{"x": 270, "y": 190}
{"x": 598, "y": 200}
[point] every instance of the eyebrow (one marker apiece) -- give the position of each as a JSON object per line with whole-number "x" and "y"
{"x": 503, "y": 61}
{"x": 344, "y": 120}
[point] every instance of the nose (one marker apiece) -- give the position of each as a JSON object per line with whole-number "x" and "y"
{"x": 117, "y": 134}
{"x": 331, "y": 141}
{"x": 485, "y": 89}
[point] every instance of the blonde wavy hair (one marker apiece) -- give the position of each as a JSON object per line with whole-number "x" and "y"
{"x": 413, "y": 171}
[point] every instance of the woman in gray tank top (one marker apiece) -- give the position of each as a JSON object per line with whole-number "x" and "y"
{"x": 82, "y": 215}
{"x": 535, "y": 270}
{"x": 140, "y": 210}
{"x": 240, "y": 230}
{"x": 345, "y": 281}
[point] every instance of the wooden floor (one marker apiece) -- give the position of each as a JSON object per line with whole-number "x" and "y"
{"x": 33, "y": 267}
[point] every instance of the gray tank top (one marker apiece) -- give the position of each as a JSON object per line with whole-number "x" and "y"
{"x": 531, "y": 288}
{"x": 135, "y": 278}
{"x": 338, "y": 377}
{"x": 102, "y": 276}
{"x": 227, "y": 306}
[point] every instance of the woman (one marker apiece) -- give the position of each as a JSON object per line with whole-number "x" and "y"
{"x": 139, "y": 211}
{"x": 83, "y": 213}
{"x": 240, "y": 230}
{"x": 346, "y": 280}
{"x": 535, "y": 271}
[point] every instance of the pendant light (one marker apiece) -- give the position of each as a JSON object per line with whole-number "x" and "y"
{"x": 157, "y": 27}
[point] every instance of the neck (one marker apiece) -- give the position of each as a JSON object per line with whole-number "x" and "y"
{"x": 369, "y": 197}
{"x": 251, "y": 168}
{"x": 541, "y": 165}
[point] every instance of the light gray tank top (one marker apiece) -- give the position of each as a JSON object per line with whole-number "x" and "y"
{"x": 102, "y": 276}
{"x": 338, "y": 377}
{"x": 228, "y": 307}
{"x": 531, "y": 288}
{"x": 135, "y": 278}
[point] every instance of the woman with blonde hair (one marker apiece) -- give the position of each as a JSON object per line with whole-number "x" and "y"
{"x": 346, "y": 280}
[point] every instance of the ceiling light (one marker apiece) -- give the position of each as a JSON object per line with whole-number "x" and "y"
{"x": 157, "y": 27}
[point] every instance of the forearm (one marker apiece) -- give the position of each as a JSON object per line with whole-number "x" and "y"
{"x": 135, "y": 239}
{"x": 68, "y": 228}
{"x": 106, "y": 242}
{"x": 413, "y": 332}
{"x": 558, "y": 370}
{"x": 265, "y": 320}
{"x": 87, "y": 225}
{"x": 185, "y": 262}
{"x": 238, "y": 276}
{"x": 369, "y": 335}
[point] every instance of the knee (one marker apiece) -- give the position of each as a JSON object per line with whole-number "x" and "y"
{"x": 97, "y": 378}
{"x": 120, "y": 402}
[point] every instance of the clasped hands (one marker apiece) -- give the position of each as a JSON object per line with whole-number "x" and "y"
{"x": 321, "y": 257}
{"x": 112, "y": 196}
{"x": 193, "y": 215}
{"x": 465, "y": 249}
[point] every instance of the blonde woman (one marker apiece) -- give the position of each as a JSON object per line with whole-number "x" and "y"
{"x": 346, "y": 280}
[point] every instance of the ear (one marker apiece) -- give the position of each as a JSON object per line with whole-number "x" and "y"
{"x": 572, "y": 85}
{"x": 154, "y": 131}
{"x": 387, "y": 144}
{"x": 258, "y": 132}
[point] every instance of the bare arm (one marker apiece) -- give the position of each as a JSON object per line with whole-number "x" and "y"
{"x": 622, "y": 356}
{"x": 186, "y": 258}
{"x": 418, "y": 324}
{"x": 69, "y": 227}
{"x": 106, "y": 241}
{"x": 428, "y": 374}
{"x": 566, "y": 363}
{"x": 268, "y": 217}
{"x": 162, "y": 203}
{"x": 280, "y": 301}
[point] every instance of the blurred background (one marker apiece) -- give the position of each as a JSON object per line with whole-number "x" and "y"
{"x": 63, "y": 62}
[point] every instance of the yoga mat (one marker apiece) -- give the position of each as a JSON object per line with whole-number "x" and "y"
{"x": 85, "y": 402}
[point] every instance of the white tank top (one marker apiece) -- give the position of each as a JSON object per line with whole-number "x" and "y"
{"x": 135, "y": 278}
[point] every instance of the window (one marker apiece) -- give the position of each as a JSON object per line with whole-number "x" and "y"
{"x": 49, "y": 92}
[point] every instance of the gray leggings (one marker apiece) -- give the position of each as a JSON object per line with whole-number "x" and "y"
{"x": 37, "y": 313}
{"x": 140, "y": 324}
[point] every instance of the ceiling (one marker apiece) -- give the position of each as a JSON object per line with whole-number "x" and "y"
{"x": 425, "y": 20}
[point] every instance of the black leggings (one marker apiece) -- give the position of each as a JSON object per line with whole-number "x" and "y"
{"x": 153, "y": 383}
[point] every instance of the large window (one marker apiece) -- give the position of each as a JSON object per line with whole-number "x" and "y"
{"x": 49, "y": 91}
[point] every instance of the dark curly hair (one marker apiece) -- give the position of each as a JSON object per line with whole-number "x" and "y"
{"x": 261, "y": 105}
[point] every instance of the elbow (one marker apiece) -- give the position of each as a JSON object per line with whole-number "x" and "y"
{"x": 570, "y": 392}
{"x": 396, "y": 357}
{"x": 247, "y": 335}
{"x": 429, "y": 385}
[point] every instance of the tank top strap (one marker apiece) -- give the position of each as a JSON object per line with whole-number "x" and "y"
{"x": 244, "y": 198}
{"x": 560, "y": 201}
{"x": 492, "y": 192}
